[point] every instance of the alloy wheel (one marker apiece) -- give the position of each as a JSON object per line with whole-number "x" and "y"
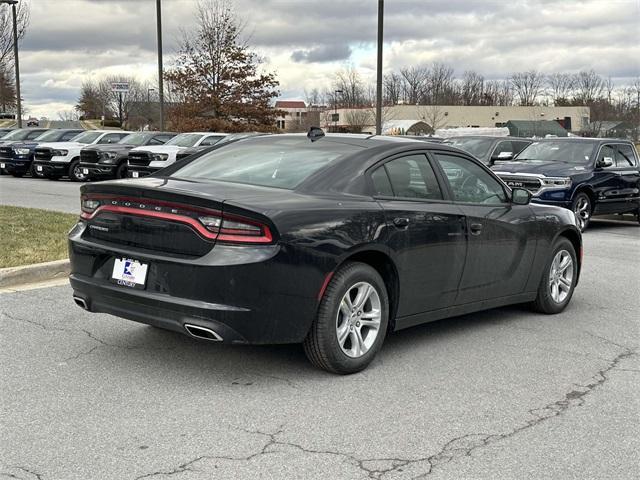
{"x": 561, "y": 276}
{"x": 77, "y": 172}
{"x": 358, "y": 319}
{"x": 582, "y": 209}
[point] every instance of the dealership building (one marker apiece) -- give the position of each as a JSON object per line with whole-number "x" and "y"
{"x": 424, "y": 119}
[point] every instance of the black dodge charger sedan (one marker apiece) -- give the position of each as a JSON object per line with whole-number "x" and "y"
{"x": 332, "y": 241}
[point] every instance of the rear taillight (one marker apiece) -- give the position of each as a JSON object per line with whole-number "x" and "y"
{"x": 234, "y": 229}
{"x": 88, "y": 206}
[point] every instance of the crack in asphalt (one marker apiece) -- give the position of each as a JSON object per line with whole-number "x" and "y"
{"x": 37, "y": 475}
{"x": 458, "y": 447}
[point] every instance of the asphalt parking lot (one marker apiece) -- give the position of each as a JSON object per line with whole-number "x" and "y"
{"x": 60, "y": 195}
{"x": 501, "y": 394}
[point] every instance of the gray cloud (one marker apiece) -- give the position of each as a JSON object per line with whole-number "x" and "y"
{"x": 69, "y": 40}
{"x": 323, "y": 53}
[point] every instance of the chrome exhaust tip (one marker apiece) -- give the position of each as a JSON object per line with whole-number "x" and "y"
{"x": 202, "y": 333}
{"x": 81, "y": 302}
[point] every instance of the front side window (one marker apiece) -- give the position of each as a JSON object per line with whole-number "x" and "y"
{"x": 625, "y": 156}
{"x": 579, "y": 152}
{"x": 34, "y": 134}
{"x": 607, "y": 152}
{"x": 478, "y": 147}
{"x": 211, "y": 140}
{"x": 469, "y": 182}
{"x": 112, "y": 138}
{"x": 69, "y": 136}
{"x": 87, "y": 137}
{"x": 407, "y": 177}
{"x": 137, "y": 139}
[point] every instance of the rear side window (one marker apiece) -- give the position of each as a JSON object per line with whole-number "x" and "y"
{"x": 625, "y": 156}
{"x": 469, "y": 182}
{"x": 408, "y": 177}
{"x": 381, "y": 183}
{"x": 266, "y": 161}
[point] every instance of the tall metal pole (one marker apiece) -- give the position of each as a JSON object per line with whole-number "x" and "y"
{"x": 160, "y": 84}
{"x": 15, "y": 55}
{"x": 379, "y": 69}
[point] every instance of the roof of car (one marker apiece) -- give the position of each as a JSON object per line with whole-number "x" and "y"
{"x": 583, "y": 139}
{"x": 492, "y": 137}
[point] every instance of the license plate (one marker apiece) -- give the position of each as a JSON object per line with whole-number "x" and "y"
{"x": 38, "y": 168}
{"x": 134, "y": 174}
{"x": 129, "y": 273}
{"x": 1, "y": 165}
{"x": 85, "y": 171}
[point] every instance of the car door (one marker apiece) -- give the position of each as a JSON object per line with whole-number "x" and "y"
{"x": 629, "y": 176}
{"x": 426, "y": 233}
{"x": 501, "y": 236}
{"x": 609, "y": 182}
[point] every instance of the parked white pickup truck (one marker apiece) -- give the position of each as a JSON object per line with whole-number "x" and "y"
{"x": 145, "y": 160}
{"x": 60, "y": 159}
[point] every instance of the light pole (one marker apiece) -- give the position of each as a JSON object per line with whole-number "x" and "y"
{"x": 379, "y": 69}
{"x": 335, "y": 109}
{"x": 160, "y": 84}
{"x": 15, "y": 56}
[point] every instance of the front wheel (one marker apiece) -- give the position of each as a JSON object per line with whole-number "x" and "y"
{"x": 558, "y": 279}
{"x": 582, "y": 208}
{"x": 352, "y": 320}
{"x": 121, "y": 171}
{"x": 75, "y": 172}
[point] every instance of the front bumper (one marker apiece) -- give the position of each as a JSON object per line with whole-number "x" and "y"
{"x": 56, "y": 169}
{"x": 16, "y": 165}
{"x": 555, "y": 203}
{"x": 138, "y": 171}
{"x": 244, "y": 294}
{"x": 99, "y": 169}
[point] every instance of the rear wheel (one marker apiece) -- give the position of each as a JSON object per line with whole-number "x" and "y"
{"x": 582, "y": 208}
{"x": 75, "y": 172}
{"x": 351, "y": 323}
{"x": 558, "y": 279}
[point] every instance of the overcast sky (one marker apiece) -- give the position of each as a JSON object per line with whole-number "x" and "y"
{"x": 306, "y": 41}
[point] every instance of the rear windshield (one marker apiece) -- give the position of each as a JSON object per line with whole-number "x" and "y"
{"x": 478, "y": 147}
{"x": 578, "y": 152}
{"x": 265, "y": 161}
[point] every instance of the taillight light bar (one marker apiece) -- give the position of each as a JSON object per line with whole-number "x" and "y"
{"x": 211, "y": 224}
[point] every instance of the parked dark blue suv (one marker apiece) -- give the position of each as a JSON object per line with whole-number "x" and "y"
{"x": 591, "y": 176}
{"x": 16, "y": 156}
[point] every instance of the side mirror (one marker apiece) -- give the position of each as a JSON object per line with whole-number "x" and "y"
{"x": 605, "y": 162}
{"x": 520, "y": 196}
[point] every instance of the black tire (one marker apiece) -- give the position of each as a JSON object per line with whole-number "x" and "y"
{"x": 544, "y": 302}
{"x": 52, "y": 177}
{"x": 74, "y": 173}
{"x": 121, "y": 171}
{"x": 321, "y": 345}
{"x": 583, "y": 209}
{"x": 17, "y": 174}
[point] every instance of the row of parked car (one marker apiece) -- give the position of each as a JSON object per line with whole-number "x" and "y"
{"x": 97, "y": 154}
{"x": 590, "y": 176}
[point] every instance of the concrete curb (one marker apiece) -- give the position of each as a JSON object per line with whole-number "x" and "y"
{"x": 39, "y": 272}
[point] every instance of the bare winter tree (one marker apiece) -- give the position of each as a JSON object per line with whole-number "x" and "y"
{"x": 7, "y": 91}
{"x": 68, "y": 115}
{"x": 472, "y": 88}
{"x": 393, "y": 88}
{"x": 589, "y": 86}
{"x": 560, "y": 87}
{"x": 440, "y": 85}
{"x": 527, "y": 86}
{"x": 353, "y": 90}
{"x": 415, "y": 81}
{"x": 6, "y": 31}
{"x": 434, "y": 115}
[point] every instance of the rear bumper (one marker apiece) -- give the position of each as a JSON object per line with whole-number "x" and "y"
{"x": 244, "y": 294}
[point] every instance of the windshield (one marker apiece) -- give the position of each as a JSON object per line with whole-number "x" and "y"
{"x": 135, "y": 139}
{"x": 478, "y": 147}
{"x": 578, "y": 152}
{"x": 18, "y": 134}
{"x": 185, "y": 140}
{"x": 268, "y": 162}
{"x": 87, "y": 137}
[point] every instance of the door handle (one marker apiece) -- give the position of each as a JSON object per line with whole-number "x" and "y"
{"x": 475, "y": 228}
{"x": 401, "y": 222}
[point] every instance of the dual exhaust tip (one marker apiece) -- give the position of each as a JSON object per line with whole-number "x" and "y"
{"x": 196, "y": 331}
